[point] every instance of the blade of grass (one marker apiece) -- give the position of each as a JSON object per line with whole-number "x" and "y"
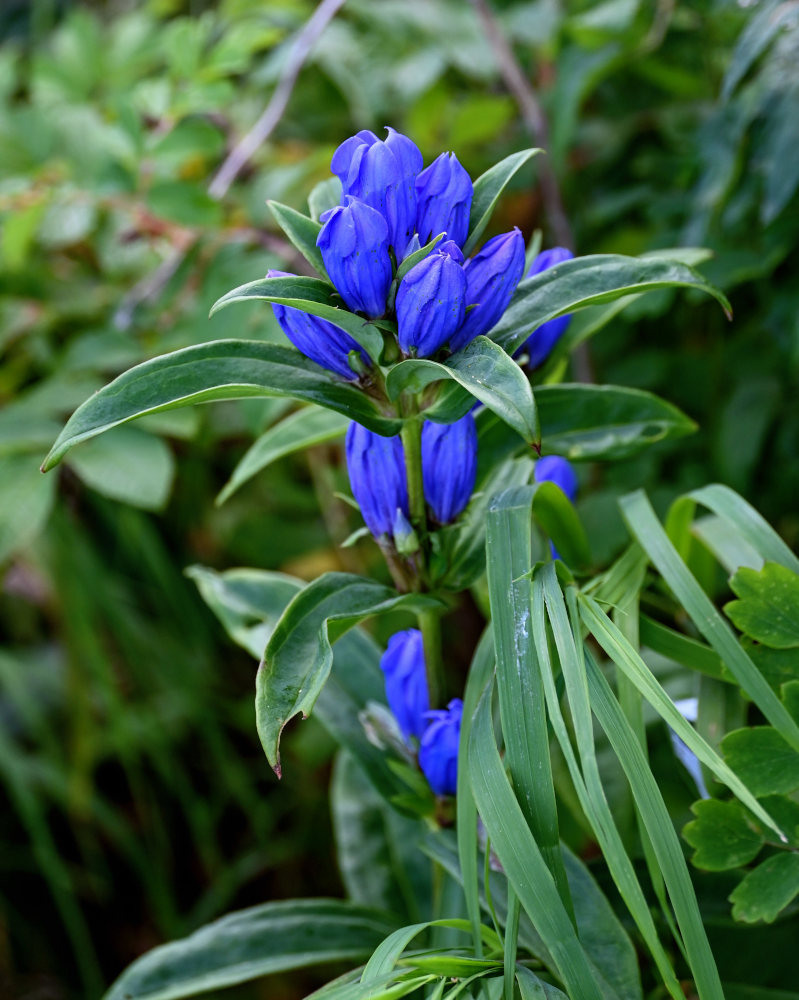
{"x": 511, "y": 941}
{"x": 628, "y": 660}
{"x": 641, "y": 519}
{"x": 522, "y": 708}
{"x": 588, "y": 783}
{"x": 522, "y": 860}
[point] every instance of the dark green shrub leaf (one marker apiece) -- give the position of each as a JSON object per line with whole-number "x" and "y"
{"x": 587, "y": 281}
{"x": 486, "y": 372}
{"x": 768, "y": 605}
{"x": 252, "y": 943}
{"x": 302, "y": 232}
{"x": 299, "y": 653}
{"x": 222, "y": 369}
{"x": 766, "y": 890}
{"x": 762, "y": 759}
{"x": 721, "y": 835}
{"x": 488, "y": 189}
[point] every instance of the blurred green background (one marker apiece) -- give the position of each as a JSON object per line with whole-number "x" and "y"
{"x": 136, "y": 802}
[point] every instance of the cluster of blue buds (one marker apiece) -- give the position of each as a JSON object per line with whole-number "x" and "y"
{"x": 391, "y": 207}
{"x": 376, "y": 467}
{"x": 437, "y": 731}
{"x": 540, "y": 343}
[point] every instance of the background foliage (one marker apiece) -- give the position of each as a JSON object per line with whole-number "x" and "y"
{"x": 128, "y": 755}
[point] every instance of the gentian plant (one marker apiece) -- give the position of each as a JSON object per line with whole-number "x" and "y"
{"x": 404, "y": 344}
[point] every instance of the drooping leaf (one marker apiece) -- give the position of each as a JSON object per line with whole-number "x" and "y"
{"x": 488, "y": 189}
{"x": 762, "y": 759}
{"x": 222, "y": 369}
{"x": 252, "y": 943}
{"x": 587, "y": 281}
{"x": 721, "y": 835}
{"x": 767, "y": 608}
{"x": 486, "y": 372}
{"x": 310, "y": 295}
{"x": 302, "y": 232}
{"x": 767, "y": 889}
{"x": 605, "y": 422}
{"x": 299, "y": 653}
{"x": 299, "y": 430}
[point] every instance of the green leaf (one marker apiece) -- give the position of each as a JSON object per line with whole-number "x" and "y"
{"x": 768, "y": 606}
{"x": 786, "y": 812}
{"x": 309, "y": 295}
{"x": 605, "y": 422}
{"x": 299, "y": 430}
{"x": 767, "y": 890}
{"x": 325, "y": 195}
{"x": 762, "y": 759}
{"x": 302, "y": 232}
{"x": 586, "y": 281}
{"x": 778, "y": 666}
{"x": 26, "y": 499}
{"x": 129, "y": 465}
{"x": 522, "y": 860}
{"x": 485, "y": 371}
{"x": 222, "y": 369}
{"x": 252, "y": 943}
{"x": 247, "y": 602}
{"x": 533, "y": 988}
{"x": 299, "y": 653}
{"x": 416, "y": 257}
{"x": 559, "y": 520}
{"x": 721, "y": 835}
{"x": 682, "y": 649}
{"x": 488, "y": 189}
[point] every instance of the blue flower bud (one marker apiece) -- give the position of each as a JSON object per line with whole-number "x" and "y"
{"x": 431, "y": 301}
{"x": 449, "y": 466}
{"x": 541, "y": 341}
{"x": 323, "y": 342}
{"x": 491, "y": 279}
{"x": 354, "y": 247}
{"x": 444, "y": 191}
{"x": 406, "y": 681}
{"x": 438, "y": 752}
{"x": 382, "y": 174}
{"x": 557, "y": 470}
{"x": 376, "y": 467}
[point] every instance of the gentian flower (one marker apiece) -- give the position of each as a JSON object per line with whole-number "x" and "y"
{"x": 323, "y": 342}
{"x": 557, "y": 470}
{"x": 406, "y": 681}
{"x": 541, "y": 341}
{"x": 438, "y": 751}
{"x": 382, "y": 174}
{"x": 354, "y": 247}
{"x": 376, "y": 467}
{"x": 491, "y": 279}
{"x": 444, "y": 192}
{"x": 431, "y": 301}
{"x": 449, "y": 466}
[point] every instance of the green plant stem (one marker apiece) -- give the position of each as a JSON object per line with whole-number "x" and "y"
{"x": 429, "y": 623}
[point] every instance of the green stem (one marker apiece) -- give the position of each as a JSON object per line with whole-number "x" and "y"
{"x": 412, "y": 446}
{"x": 430, "y": 627}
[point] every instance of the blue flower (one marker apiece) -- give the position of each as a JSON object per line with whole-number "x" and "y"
{"x": 376, "y": 467}
{"x": 449, "y": 466}
{"x": 406, "y": 681}
{"x": 444, "y": 191}
{"x": 491, "y": 279}
{"x": 438, "y": 752}
{"x": 354, "y": 247}
{"x": 382, "y": 174}
{"x": 557, "y": 470}
{"x": 323, "y": 342}
{"x": 541, "y": 341}
{"x": 431, "y": 301}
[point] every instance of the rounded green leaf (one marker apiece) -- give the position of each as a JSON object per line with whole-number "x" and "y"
{"x": 767, "y": 608}
{"x": 721, "y": 835}
{"x": 762, "y": 759}
{"x": 767, "y": 890}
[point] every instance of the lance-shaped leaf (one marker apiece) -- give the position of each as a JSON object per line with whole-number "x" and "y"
{"x": 486, "y": 372}
{"x": 222, "y": 369}
{"x": 299, "y": 430}
{"x": 302, "y": 232}
{"x": 488, "y": 189}
{"x": 588, "y": 281}
{"x": 309, "y": 295}
{"x": 298, "y": 656}
{"x": 242, "y": 946}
